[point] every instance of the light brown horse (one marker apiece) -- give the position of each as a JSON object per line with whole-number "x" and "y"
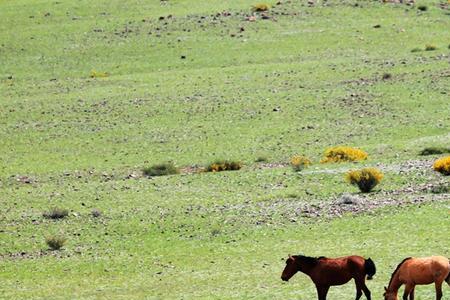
{"x": 412, "y": 271}
{"x": 326, "y": 272}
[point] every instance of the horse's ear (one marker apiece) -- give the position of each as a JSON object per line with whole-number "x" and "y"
{"x": 290, "y": 257}
{"x": 385, "y": 289}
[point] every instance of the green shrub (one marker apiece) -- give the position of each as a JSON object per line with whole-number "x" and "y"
{"x": 223, "y": 165}
{"x": 261, "y": 7}
{"x": 261, "y": 159}
{"x": 434, "y": 150}
{"x": 365, "y": 179}
{"x": 56, "y": 213}
{"x": 430, "y": 48}
{"x": 343, "y": 154}
{"x": 55, "y": 242}
{"x": 168, "y": 168}
{"x": 299, "y": 162}
{"x": 416, "y": 50}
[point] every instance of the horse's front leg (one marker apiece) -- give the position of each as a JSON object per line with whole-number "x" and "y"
{"x": 438, "y": 286}
{"x": 408, "y": 288}
{"x": 322, "y": 292}
{"x": 361, "y": 285}
{"x": 411, "y": 294}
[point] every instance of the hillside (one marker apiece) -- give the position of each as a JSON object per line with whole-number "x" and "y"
{"x": 92, "y": 92}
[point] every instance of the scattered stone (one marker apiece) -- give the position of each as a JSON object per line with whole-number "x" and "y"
{"x": 348, "y": 199}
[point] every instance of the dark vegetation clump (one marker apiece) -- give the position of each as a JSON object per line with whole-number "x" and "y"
{"x": 55, "y": 242}
{"x": 168, "y": 168}
{"x": 224, "y": 165}
{"x": 416, "y": 50}
{"x": 387, "y": 76}
{"x": 422, "y": 7}
{"x": 434, "y": 150}
{"x": 56, "y": 213}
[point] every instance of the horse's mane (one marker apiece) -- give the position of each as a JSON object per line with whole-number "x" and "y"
{"x": 396, "y": 269}
{"x": 308, "y": 259}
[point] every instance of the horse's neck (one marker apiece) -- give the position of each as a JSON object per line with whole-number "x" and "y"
{"x": 306, "y": 268}
{"x": 395, "y": 283}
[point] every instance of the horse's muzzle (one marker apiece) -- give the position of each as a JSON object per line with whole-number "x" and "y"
{"x": 284, "y": 279}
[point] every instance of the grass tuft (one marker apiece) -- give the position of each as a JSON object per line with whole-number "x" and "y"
{"x": 416, "y": 50}
{"x": 163, "y": 169}
{"x": 365, "y": 179}
{"x": 56, "y": 213}
{"x": 55, "y": 242}
{"x": 96, "y": 74}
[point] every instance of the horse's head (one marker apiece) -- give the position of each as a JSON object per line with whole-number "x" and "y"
{"x": 290, "y": 269}
{"x": 389, "y": 295}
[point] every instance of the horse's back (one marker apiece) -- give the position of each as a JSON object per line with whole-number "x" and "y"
{"x": 424, "y": 270}
{"x": 340, "y": 270}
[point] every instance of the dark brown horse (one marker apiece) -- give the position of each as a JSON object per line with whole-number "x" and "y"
{"x": 326, "y": 272}
{"x": 413, "y": 271}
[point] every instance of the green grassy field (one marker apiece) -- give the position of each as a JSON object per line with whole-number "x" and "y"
{"x": 194, "y": 81}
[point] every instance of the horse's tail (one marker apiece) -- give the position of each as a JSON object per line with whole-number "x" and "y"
{"x": 370, "y": 268}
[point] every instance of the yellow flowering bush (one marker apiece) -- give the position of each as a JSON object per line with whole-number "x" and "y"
{"x": 442, "y": 165}
{"x": 343, "y": 154}
{"x": 299, "y": 162}
{"x": 366, "y": 179}
{"x": 223, "y": 165}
